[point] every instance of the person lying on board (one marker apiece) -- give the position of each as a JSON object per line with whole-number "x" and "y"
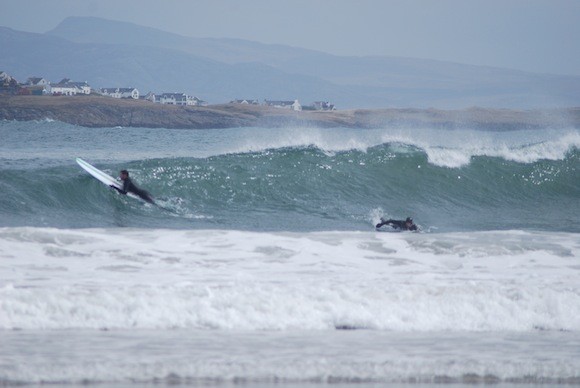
{"x": 130, "y": 187}
{"x": 399, "y": 224}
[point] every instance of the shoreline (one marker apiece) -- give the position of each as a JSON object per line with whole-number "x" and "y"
{"x": 99, "y": 111}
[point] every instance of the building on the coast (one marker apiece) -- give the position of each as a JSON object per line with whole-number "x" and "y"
{"x": 63, "y": 87}
{"x": 323, "y": 105}
{"x": 110, "y": 92}
{"x": 129, "y": 93}
{"x": 3, "y": 75}
{"x": 66, "y": 87}
{"x": 245, "y": 102}
{"x": 37, "y": 81}
{"x": 120, "y": 92}
{"x": 84, "y": 87}
{"x": 151, "y": 97}
{"x": 294, "y": 105}
{"x": 35, "y": 86}
{"x": 34, "y": 90}
{"x": 8, "y": 84}
{"x": 181, "y": 99}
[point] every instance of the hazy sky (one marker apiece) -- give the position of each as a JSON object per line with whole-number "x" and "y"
{"x": 533, "y": 35}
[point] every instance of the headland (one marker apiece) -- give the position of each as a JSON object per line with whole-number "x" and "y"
{"x": 99, "y": 111}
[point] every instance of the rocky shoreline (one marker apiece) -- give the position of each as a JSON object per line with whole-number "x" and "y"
{"x": 99, "y": 111}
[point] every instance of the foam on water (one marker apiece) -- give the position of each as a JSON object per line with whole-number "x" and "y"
{"x": 126, "y": 307}
{"x": 519, "y": 281}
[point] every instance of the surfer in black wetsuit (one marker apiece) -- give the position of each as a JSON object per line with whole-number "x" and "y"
{"x": 130, "y": 187}
{"x": 399, "y": 224}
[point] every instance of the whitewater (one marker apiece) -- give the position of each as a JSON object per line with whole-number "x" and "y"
{"x": 262, "y": 266}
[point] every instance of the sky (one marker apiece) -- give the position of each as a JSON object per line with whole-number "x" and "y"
{"x": 541, "y": 36}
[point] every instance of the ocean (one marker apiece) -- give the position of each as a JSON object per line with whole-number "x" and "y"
{"x": 261, "y": 265}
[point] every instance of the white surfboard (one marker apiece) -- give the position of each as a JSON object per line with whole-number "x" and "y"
{"x": 102, "y": 176}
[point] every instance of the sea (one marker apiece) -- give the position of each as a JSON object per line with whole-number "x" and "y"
{"x": 260, "y": 264}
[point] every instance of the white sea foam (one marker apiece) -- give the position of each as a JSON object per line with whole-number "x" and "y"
{"x": 446, "y": 148}
{"x": 225, "y": 307}
{"x": 456, "y": 149}
{"x": 159, "y": 279}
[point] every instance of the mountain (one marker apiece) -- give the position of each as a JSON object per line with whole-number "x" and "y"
{"x": 109, "y": 53}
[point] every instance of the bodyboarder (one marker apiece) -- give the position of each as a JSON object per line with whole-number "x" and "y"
{"x": 398, "y": 224}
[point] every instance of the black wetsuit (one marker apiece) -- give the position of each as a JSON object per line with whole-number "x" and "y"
{"x": 130, "y": 187}
{"x": 397, "y": 224}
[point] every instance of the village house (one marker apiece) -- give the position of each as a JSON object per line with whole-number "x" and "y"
{"x": 5, "y": 78}
{"x": 245, "y": 102}
{"x": 294, "y": 105}
{"x": 181, "y": 99}
{"x": 129, "y": 93}
{"x": 37, "y": 81}
{"x": 63, "y": 88}
{"x": 66, "y": 87}
{"x": 199, "y": 102}
{"x": 110, "y": 92}
{"x": 323, "y": 105}
{"x": 83, "y": 87}
{"x": 120, "y": 92}
{"x": 35, "y": 86}
{"x": 8, "y": 84}
{"x": 151, "y": 97}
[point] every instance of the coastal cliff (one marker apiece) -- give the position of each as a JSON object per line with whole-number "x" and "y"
{"x": 99, "y": 111}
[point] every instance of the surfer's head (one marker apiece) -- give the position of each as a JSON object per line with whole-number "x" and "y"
{"x": 409, "y": 221}
{"x": 124, "y": 174}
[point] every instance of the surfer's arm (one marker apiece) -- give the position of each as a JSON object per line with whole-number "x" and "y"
{"x": 383, "y": 222}
{"x": 118, "y": 189}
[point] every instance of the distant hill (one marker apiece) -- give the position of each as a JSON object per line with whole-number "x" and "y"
{"x": 108, "y": 53}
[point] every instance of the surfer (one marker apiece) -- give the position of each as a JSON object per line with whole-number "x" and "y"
{"x": 130, "y": 187}
{"x": 398, "y": 224}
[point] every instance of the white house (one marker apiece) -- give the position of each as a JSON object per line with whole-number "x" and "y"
{"x": 245, "y": 102}
{"x": 68, "y": 88}
{"x": 199, "y": 102}
{"x": 149, "y": 97}
{"x": 110, "y": 92}
{"x": 294, "y": 105}
{"x": 64, "y": 87}
{"x": 37, "y": 81}
{"x": 83, "y": 87}
{"x": 172, "y": 99}
{"x": 181, "y": 99}
{"x": 120, "y": 92}
{"x": 129, "y": 93}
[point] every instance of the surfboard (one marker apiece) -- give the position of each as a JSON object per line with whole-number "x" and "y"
{"x": 102, "y": 177}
